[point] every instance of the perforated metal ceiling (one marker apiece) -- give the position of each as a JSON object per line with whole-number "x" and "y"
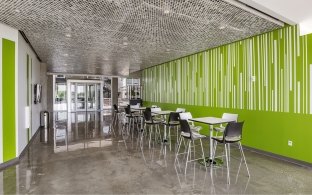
{"x": 111, "y": 37}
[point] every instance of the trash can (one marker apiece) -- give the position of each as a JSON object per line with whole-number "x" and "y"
{"x": 44, "y": 122}
{"x": 44, "y": 119}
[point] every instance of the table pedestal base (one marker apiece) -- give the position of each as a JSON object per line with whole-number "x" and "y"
{"x": 216, "y": 163}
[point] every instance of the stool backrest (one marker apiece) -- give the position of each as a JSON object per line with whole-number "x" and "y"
{"x": 135, "y": 106}
{"x": 229, "y": 116}
{"x": 128, "y": 110}
{"x": 115, "y": 108}
{"x": 233, "y": 130}
{"x": 147, "y": 115}
{"x": 180, "y": 110}
{"x": 185, "y": 128}
{"x": 186, "y": 116}
{"x": 156, "y": 109}
{"x": 173, "y": 116}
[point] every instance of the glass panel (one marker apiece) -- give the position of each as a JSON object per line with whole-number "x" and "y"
{"x": 60, "y": 97}
{"x": 73, "y": 96}
{"x": 107, "y": 88}
{"x": 91, "y": 96}
{"x": 81, "y": 96}
{"x": 98, "y": 98}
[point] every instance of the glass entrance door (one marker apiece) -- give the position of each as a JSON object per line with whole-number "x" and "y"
{"x": 81, "y": 97}
{"x": 91, "y": 100}
{"x": 84, "y": 96}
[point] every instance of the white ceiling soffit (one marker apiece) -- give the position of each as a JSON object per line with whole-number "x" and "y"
{"x": 290, "y": 11}
{"x": 115, "y": 37}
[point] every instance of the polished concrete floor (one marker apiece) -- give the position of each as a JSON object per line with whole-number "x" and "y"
{"x": 84, "y": 156}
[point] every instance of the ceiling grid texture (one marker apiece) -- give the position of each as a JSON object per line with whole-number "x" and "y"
{"x": 116, "y": 37}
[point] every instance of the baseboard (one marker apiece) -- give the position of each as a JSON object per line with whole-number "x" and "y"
{"x": 9, "y": 163}
{"x": 29, "y": 143}
{"x": 280, "y": 157}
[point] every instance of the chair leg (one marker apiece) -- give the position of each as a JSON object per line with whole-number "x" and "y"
{"x": 169, "y": 140}
{"x": 177, "y": 153}
{"x": 142, "y": 135}
{"x": 214, "y": 143}
{"x": 159, "y": 134}
{"x": 227, "y": 163}
{"x": 178, "y": 149}
{"x": 203, "y": 154}
{"x": 243, "y": 155}
{"x": 229, "y": 149}
{"x": 187, "y": 157}
{"x": 177, "y": 131}
{"x": 150, "y": 135}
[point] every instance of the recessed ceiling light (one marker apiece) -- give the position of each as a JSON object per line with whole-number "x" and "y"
{"x": 17, "y": 10}
{"x": 68, "y": 35}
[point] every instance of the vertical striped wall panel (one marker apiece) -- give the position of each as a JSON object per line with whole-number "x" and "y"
{"x": 268, "y": 72}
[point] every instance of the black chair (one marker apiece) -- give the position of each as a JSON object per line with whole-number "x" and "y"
{"x": 148, "y": 109}
{"x": 116, "y": 114}
{"x": 150, "y": 123}
{"x": 232, "y": 134}
{"x": 191, "y": 137}
{"x": 172, "y": 122}
{"x": 131, "y": 118}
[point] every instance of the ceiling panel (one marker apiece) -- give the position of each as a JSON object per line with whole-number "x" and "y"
{"x": 113, "y": 37}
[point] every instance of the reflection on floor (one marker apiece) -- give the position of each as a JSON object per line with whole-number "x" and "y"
{"x": 85, "y": 155}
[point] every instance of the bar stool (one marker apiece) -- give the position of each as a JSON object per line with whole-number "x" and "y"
{"x": 150, "y": 123}
{"x": 228, "y": 116}
{"x": 172, "y": 122}
{"x": 191, "y": 137}
{"x": 232, "y": 134}
{"x": 116, "y": 114}
{"x": 132, "y": 118}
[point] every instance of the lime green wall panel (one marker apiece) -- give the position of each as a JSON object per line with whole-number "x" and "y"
{"x": 267, "y": 131}
{"x": 276, "y": 106}
{"x": 8, "y": 99}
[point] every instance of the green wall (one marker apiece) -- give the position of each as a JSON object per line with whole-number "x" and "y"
{"x": 276, "y": 106}
{"x": 8, "y": 99}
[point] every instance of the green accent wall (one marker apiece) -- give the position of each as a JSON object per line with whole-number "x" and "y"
{"x": 276, "y": 105}
{"x": 8, "y": 99}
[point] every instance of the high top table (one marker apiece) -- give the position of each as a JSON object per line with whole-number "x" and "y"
{"x": 163, "y": 113}
{"x": 211, "y": 121}
{"x": 140, "y": 109}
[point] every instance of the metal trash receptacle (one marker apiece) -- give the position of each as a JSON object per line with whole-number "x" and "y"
{"x": 44, "y": 122}
{"x": 44, "y": 119}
